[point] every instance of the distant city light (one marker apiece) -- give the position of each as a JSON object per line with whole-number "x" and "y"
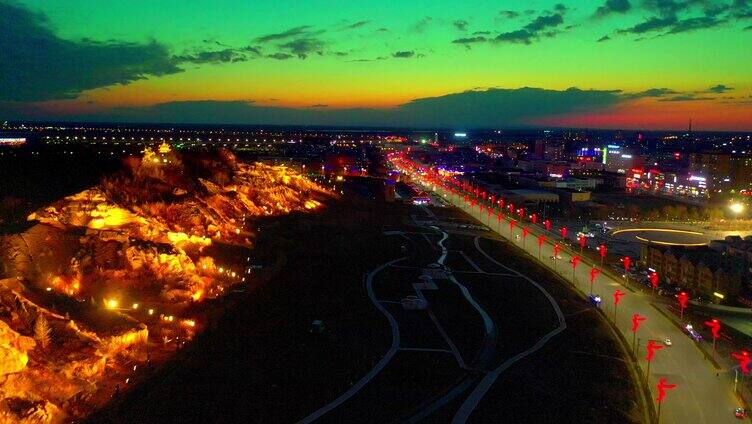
{"x": 736, "y": 207}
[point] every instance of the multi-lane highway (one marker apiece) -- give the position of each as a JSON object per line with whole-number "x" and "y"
{"x": 702, "y": 395}
{"x": 475, "y": 352}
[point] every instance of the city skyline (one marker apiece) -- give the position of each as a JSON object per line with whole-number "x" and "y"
{"x": 608, "y": 64}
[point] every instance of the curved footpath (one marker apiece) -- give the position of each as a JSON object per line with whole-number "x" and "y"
{"x": 701, "y": 395}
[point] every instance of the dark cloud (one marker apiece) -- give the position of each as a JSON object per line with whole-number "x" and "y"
{"x": 460, "y": 24}
{"x": 300, "y": 41}
{"x": 481, "y": 32}
{"x": 668, "y": 7}
{"x": 652, "y": 92}
{"x": 532, "y": 31}
{"x": 491, "y": 108}
{"x": 613, "y": 6}
{"x": 720, "y": 88}
{"x": 284, "y": 35}
{"x": 302, "y": 47}
{"x": 35, "y": 64}
{"x": 604, "y": 38}
{"x": 358, "y": 24}
{"x": 509, "y": 14}
{"x": 252, "y": 49}
{"x": 650, "y": 24}
{"x": 542, "y": 26}
{"x": 692, "y": 24}
{"x": 467, "y": 41}
{"x": 406, "y": 54}
{"x": 280, "y": 56}
{"x": 671, "y": 17}
{"x": 216, "y": 56}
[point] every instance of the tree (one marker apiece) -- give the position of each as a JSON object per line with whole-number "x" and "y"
{"x": 682, "y": 212}
{"x": 669, "y": 212}
{"x": 715, "y": 213}
{"x": 42, "y": 331}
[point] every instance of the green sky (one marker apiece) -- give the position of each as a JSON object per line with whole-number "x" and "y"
{"x": 354, "y": 54}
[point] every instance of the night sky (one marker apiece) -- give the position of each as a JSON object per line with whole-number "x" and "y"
{"x": 651, "y": 64}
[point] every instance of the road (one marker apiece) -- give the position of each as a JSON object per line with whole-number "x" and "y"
{"x": 455, "y": 331}
{"x": 701, "y": 396}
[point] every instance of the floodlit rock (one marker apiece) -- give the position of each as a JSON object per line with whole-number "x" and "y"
{"x": 13, "y": 348}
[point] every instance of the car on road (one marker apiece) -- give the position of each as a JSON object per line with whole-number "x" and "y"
{"x": 740, "y": 413}
{"x": 692, "y": 333}
{"x": 557, "y": 257}
{"x": 667, "y": 342}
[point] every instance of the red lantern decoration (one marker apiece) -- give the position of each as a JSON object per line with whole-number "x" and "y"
{"x": 547, "y": 224}
{"x": 618, "y": 294}
{"x": 594, "y": 274}
{"x": 563, "y": 231}
{"x": 683, "y": 299}
{"x": 662, "y": 387}
{"x": 651, "y": 347}
{"x": 575, "y": 261}
{"x": 744, "y": 360}
{"x": 637, "y": 319}
{"x": 715, "y": 327}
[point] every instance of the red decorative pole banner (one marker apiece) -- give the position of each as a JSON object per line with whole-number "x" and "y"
{"x": 662, "y": 387}
{"x": 593, "y": 275}
{"x": 547, "y": 224}
{"x": 575, "y": 262}
{"x": 683, "y": 299}
{"x": 715, "y": 330}
{"x": 652, "y": 346}
{"x": 618, "y": 294}
{"x": 582, "y": 240}
{"x": 654, "y": 281}
{"x": 534, "y": 218}
{"x": 557, "y": 249}
{"x": 744, "y": 360}
{"x": 637, "y": 319}
{"x": 541, "y": 240}
{"x": 525, "y": 233}
{"x": 563, "y": 231}
{"x": 602, "y": 250}
{"x": 512, "y": 223}
{"x": 521, "y": 213}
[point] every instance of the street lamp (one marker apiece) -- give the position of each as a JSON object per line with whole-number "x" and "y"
{"x": 736, "y": 208}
